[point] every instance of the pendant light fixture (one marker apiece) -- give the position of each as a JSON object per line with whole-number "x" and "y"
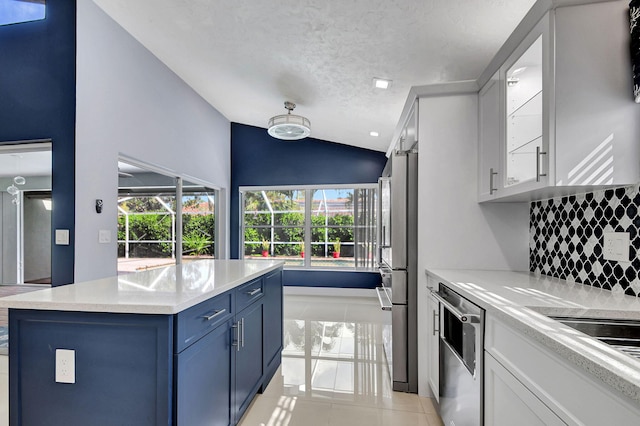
{"x": 289, "y": 127}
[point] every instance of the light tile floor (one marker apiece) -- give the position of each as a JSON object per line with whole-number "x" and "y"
{"x": 333, "y": 371}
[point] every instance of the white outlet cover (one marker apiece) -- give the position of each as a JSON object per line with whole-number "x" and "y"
{"x": 616, "y": 246}
{"x": 65, "y": 366}
{"x": 62, "y": 237}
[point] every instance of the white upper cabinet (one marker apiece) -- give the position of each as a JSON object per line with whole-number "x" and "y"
{"x": 558, "y": 116}
{"x": 525, "y": 141}
{"x": 489, "y": 119}
{"x": 409, "y": 136}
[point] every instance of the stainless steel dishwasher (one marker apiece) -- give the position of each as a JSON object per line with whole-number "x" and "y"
{"x": 461, "y": 359}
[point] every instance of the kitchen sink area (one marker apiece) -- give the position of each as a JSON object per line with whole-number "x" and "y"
{"x": 623, "y": 335}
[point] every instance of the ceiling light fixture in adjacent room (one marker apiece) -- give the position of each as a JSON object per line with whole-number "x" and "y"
{"x": 381, "y": 83}
{"x": 289, "y": 127}
{"x": 374, "y": 134}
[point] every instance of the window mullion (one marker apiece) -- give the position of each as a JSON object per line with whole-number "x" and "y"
{"x": 308, "y": 201}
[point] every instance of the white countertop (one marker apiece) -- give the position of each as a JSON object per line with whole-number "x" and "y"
{"x": 167, "y": 290}
{"x": 523, "y": 299}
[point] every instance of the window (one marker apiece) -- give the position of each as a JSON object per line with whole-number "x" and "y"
{"x": 148, "y": 220}
{"x": 17, "y": 11}
{"x": 311, "y": 227}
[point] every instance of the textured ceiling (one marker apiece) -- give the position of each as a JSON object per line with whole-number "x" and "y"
{"x": 25, "y": 164}
{"x": 246, "y": 57}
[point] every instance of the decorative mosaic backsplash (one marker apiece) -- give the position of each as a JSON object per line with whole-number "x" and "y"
{"x": 565, "y": 238}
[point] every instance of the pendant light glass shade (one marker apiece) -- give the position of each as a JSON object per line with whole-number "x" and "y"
{"x": 289, "y": 127}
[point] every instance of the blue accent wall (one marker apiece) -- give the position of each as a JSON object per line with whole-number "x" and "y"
{"x": 257, "y": 159}
{"x": 37, "y": 101}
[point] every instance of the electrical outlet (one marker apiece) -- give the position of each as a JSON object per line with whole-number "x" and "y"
{"x": 616, "y": 246}
{"x": 65, "y": 366}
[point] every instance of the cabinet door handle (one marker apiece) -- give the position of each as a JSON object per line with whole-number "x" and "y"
{"x": 236, "y": 341}
{"x": 242, "y": 331}
{"x": 538, "y": 163}
{"x": 254, "y": 291}
{"x": 214, "y": 314}
{"x": 435, "y": 330}
{"x": 491, "y": 175}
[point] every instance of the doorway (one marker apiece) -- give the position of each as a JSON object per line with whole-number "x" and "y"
{"x": 25, "y": 213}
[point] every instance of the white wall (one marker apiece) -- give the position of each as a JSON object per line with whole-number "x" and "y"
{"x": 129, "y": 102}
{"x": 454, "y": 231}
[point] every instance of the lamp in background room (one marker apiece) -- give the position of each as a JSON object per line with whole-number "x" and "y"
{"x": 13, "y": 189}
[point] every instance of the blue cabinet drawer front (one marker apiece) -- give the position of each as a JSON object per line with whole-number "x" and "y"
{"x": 247, "y": 293}
{"x": 202, "y": 318}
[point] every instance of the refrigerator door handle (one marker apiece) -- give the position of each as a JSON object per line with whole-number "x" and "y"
{"x": 383, "y": 298}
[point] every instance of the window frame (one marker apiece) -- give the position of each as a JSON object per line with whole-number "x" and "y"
{"x": 180, "y": 181}
{"x": 307, "y": 225}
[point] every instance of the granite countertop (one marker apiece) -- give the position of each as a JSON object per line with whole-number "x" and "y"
{"x": 166, "y": 290}
{"x": 523, "y": 300}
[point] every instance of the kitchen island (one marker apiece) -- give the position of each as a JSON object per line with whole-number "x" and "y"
{"x": 187, "y": 345}
{"x": 539, "y": 370}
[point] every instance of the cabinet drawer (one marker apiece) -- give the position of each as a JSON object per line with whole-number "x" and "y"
{"x": 248, "y": 292}
{"x": 202, "y": 318}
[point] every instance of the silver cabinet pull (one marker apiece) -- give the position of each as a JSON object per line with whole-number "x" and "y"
{"x": 538, "y": 164}
{"x": 242, "y": 331}
{"x": 214, "y": 314}
{"x": 491, "y": 175}
{"x": 236, "y": 342}
{"x": 435, "y": 315}
{"x": 254, "y": 291}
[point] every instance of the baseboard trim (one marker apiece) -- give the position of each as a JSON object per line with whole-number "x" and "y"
{"x": 329, "y": 291}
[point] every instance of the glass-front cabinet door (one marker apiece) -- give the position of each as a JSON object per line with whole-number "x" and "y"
{"x": 524, "y": 124}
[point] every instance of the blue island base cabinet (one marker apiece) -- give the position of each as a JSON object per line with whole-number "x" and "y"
{"x": 123, "y": 369}
{"x": 202, "y": 366}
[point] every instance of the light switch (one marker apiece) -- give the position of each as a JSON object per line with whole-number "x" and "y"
{"x": 62, "y": 237}
{"x": 616, "y": 246}
{"x": 104, "y": 236}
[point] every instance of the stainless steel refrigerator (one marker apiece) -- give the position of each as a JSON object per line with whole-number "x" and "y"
{"x": 398, "y": 246}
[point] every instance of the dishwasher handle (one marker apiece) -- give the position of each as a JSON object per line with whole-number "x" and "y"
{"x": 383, "y": 297}
{"x": 463, "y": 317}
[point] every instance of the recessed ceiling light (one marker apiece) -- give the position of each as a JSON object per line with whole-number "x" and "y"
{"x": 381, "y": 83}
{"x": 374, "y": 134}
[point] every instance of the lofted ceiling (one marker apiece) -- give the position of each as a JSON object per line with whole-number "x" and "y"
{"x": 246, "y": 57}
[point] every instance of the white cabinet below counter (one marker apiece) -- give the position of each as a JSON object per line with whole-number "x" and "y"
{"x": 508, "y": 402}
{"x": 433, "y": 339}
{"x": 521, "y": 372}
